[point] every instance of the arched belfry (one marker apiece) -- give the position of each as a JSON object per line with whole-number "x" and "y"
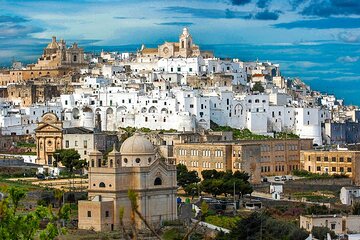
{"x": 185, "y": 43}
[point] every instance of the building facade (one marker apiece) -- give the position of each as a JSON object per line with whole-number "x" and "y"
{"x": 49, "y": 138}
{"x": 337, "y": 223}
{"x": 256, "y": 157}
{"x": 135, "y": 167}
{"x": 184, "y": 48}
{"x": 332, "y": 162}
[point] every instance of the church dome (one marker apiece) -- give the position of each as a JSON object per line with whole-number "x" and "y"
{"x": 53, "y": 44}
{"x": 137, "y": 144}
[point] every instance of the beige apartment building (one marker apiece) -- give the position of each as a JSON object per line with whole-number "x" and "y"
{"x": 337, "y": 223}
{"x": 257, "y": 157}
{"x": 332, "y": 162}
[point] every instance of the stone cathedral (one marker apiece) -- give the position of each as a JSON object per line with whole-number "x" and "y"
{"x": 135, "y": 167}
{"x": 183, "y": 48}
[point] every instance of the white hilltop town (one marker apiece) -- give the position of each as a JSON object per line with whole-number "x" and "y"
{"x": 133, "y": 116}
{"x": 176, "y": 86}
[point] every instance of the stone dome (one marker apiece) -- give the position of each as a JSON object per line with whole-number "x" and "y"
{"x": 137, "y": 145}
{"x": 53, "y": 44}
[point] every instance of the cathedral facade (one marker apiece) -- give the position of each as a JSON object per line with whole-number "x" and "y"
{"x": 135, "y": 167}
{"x": 57, "y": 55}
{"x": 183, "y": 48}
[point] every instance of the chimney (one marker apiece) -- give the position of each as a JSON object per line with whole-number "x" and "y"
{"x": 53, "y": 39}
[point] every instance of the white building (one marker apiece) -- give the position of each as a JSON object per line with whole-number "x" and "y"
{"x": 348, "y": 195}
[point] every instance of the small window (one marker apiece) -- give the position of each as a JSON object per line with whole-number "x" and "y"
{"x": 149, "y": 160}
{"x": 157, "y": 181}
{"x": 102, "y": 185}
{"x": 125, "y": 160}
{"x": 349, "y": 159}
{"x": 107, "y": 214}
{"x": 333, "y": 225}
{"x": 89, "y": 213}
{"x": 318, "y": 168}
{"x": 137, "y": 160}
{"x": 318, "y": 159}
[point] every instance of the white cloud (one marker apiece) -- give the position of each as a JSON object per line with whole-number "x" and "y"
{"x": 348, "y": 59}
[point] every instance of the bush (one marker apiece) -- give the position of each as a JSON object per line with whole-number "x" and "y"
{"x": 223, "y": 221}
{"x": 310, "y": 175}
{"x": 321, "y": 233}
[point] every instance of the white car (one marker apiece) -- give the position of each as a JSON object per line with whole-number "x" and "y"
{"x": 277, "y": 178}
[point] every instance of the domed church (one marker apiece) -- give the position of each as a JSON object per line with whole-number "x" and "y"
{"x": 135, "y": 167}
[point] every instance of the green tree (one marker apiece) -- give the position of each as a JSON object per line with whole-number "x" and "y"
{"x": 211, "y": 174}
{"x": 261, "y": 226}
{"x": 317, "y": 210}
{"x": 219, "y": 182}
{"x": 258, "y": 87}
{"x": 213, "y": 186}
{"x": 70, "y": 159}
{"x": 193, "y": 189}
{"x": 321, "y": 233}
{"x": 24, "y": 225}
{"x": 356, "y": 208}
{"x": 185, "y": 177}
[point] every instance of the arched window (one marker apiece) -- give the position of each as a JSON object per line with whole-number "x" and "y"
{"x": 149, "y": 160}
{"x": 125, "y": 160}
{"x": 92, "y": 163}
{"x": 157, "y": 181}
{"x": 75, "y": 58}
{"x": 111, "y": 163}
{"x": 137, "y": 160}
{"x": 99, "y": 163}
{"x": 182, "y": 44}
{"x": 102, "y": 185}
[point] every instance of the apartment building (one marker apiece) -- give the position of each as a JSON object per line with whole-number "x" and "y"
{"x": 332, "y": 162}
{"x": 256, "y": 157}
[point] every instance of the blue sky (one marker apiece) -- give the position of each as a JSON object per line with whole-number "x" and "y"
{"x": 317, "y": 40}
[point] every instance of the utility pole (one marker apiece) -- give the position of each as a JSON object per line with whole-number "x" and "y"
{"x": 234, "y": 198}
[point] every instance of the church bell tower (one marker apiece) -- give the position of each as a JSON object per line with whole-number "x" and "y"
{"x": 185, "y": 43}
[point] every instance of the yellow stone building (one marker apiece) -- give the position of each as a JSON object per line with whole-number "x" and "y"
{"x": 49, "y": 137}
{"x": 256, "y": 157}
{"x": 135, "y": 167}
{"x": 57, "y": 60}
{"x": 184, "y": 48}
{"x": 57, "y": 55}
{"x": 332, "y": 162}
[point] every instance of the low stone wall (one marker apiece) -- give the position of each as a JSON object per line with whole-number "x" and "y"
{"x": 303, "y": 185}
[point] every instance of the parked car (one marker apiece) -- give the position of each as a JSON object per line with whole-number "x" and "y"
{"x": 290, "y": 178}
{"x": 277, "y": 178}
{"x": 283, "y": 178}
{"x": 40, "y": 176}
{"x": 264, "y": 179}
